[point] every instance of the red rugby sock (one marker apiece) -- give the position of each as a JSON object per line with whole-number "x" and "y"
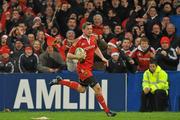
{"x": 71, "y": 84}
{"x": 101, "y": 100}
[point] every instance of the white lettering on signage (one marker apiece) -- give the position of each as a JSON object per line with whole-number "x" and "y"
{"x": 42, "y": 94}
{"x": 23, "y": 96}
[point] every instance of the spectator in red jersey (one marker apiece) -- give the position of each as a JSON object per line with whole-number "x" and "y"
{"x": 142, "y": 54}
{"x": 98, "y": 24}
{"x": 3, "y": 41}
{"x": 84, "y": 67}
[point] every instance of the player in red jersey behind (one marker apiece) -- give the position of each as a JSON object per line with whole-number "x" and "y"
{"x": 87, "y": 41}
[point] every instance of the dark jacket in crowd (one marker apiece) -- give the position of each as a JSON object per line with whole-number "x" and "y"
{"x": 28, "y": 64}
{"x": 47, "y": 61}
{"x": 168, "y": 62}
{"x": 154, "y": 40}
{"x": 116, "y": 66}
{"x": 15, "y": 56}
{"x": 6, "y": 66}
{"x": 122, "y": 65}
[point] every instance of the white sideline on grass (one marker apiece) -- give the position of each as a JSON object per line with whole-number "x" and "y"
{"x": 40, "y": 118}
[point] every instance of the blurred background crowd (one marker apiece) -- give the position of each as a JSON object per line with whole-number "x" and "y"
{"x": 35, "y": 35}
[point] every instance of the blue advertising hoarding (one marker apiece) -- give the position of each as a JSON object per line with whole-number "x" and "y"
{"x": 32, "y": 92}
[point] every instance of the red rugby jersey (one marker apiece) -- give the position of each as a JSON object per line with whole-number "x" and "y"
{"x": 84, "y": 69}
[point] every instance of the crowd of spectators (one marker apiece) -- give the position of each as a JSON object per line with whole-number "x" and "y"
{"x": 35, "y": 35}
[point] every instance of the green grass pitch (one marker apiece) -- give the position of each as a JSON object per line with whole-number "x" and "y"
{"x": 90, "y": 115}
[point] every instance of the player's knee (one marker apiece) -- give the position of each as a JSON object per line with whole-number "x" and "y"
{"x": 98, "y": 90}
{"x": 82, "y": 89}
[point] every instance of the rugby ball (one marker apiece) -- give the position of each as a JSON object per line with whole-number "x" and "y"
{"x": 79, "y": 51}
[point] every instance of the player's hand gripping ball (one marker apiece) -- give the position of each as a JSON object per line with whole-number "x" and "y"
{"x": 81, "y": 54}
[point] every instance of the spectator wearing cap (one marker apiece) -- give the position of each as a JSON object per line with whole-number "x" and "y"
{"x": 142, "y": 54}
{"x": 50, "y": 61}
{"x": 117, "y": 62}
{"x": 37, "y": 25}
{"x": 3, "y": 41}
{"x": 6, "y": 63}
{"x": 166, "y": 55}
{"x": 28, "y": 61}
{"x": 111, "y": 44}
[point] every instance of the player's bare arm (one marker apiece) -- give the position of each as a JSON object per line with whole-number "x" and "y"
{"x": 99, "y": 54}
